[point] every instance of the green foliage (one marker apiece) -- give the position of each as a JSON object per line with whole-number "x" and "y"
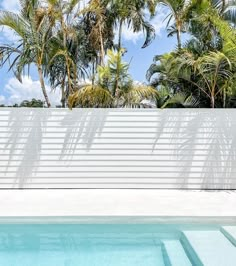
{"x": 33, "y": 29}
{"x": 132, "y": 12}
{"x": 98, "y": 97}
{"x": 33, "y": 103}
{"x": 203, "y": 71}
{"x": 68, "y": 43}
{"x": 114, "y": 87}
{"x": 134, "y": 96}
{"x": 91, "y": 97}
{"x": 114, "y": 75}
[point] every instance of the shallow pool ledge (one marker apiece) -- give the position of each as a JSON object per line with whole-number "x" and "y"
{"x": 117, "y": 203}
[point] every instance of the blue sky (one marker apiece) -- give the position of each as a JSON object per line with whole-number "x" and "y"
{"x": 12, "y": 91}
{"x": 141, "y": 59}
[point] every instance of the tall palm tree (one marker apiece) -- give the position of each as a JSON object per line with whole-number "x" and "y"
{"x": 34, "y": 32}
{"x": 179, "y": 14}
{"x": 61, "y": 60}
{"x": 212, "y": 71}
{"x": 98, "y": 17}
{"x": 72, "y": 61}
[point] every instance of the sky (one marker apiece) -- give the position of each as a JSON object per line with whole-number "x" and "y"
{"x": 12, "y": 91}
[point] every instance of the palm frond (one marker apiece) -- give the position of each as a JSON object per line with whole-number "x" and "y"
{"x": 181, "y": 99}
{"x": 15, "y": 23}
{"x": 91, "y": 97}
{"x": 136, "y": 94}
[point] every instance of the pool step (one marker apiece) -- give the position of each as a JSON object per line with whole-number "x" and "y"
{"x": 212, "y": 248}
{"x": 230, "y": 233}
{"x": 175, "y": 253}
{"x": 87, "y": 254}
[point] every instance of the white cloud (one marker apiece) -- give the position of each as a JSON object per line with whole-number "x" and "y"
{"x": 129, "y": 35}
{"x": 2, "y": 99}
{"x": 158, "y": 21}
{"x": 16, "y": 92}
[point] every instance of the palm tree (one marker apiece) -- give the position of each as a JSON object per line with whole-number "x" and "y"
{"x": 213, "y": 71}
{"x": 61, "y": 60}
{"x": 73, "y": 62}
{"x": 114, "y": 75}
{"x": 205, "y": 65}
{"x": 34, "y": 32}
{"x": 208, "y": 76}
{"x": 168, "y": 99}
{"x": 163, "y": 74}
{"x": 179, "y": 15}
{"x": 94, "y": 96}
{"x": 98, "y": 19}
{"x": 81, "y": 34}
{"x": 91, "y": 96}
{"x": 137, "y": 95}
{"x": 132, "y": 13}
{"x": 112, "y": 89}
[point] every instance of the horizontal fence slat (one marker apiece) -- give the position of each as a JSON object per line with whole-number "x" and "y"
{"x": 111, "y": 163}
{"x": 82, "y": 180}
{"x": 208, "y": 177}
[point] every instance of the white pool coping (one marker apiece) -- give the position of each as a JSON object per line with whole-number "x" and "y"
{"x": 118, "y": 203}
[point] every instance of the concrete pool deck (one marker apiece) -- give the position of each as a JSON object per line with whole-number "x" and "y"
{"x": 118, "y": 203}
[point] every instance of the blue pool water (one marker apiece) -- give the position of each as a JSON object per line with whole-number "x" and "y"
{"x": 116, "y": 245}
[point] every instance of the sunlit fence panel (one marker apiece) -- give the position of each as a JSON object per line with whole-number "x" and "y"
{"x": 118, "y": 148}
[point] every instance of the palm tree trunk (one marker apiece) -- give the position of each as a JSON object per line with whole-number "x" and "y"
{"x": 40, "y": 72}
{"x": 212, "y": 101}
{"x": 116, "y": 87}
{"x": 102, "y": 50}
{"x": 68, "y": 74}
{"x": 93, "y": 73}
{"x": 179, "y": 37}
{"x": 224, "y": 98}
{"x": 120, "y": 35}
{"x": 63, "y": 95}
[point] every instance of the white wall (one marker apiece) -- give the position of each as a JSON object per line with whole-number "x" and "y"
{"x": 113, "y": 148}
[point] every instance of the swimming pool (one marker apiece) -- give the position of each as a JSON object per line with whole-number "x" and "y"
{"x": 117, "y": 244}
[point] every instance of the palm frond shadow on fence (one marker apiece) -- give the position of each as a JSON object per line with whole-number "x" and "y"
{"x": 202, "y": 147}
{"x": 189, "y": 148}
{"x": 33, "y": 137}
{"x": 23, "y": 145}
{"x": 81, "y": 128}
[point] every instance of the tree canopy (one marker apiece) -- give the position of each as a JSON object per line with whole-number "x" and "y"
{"x": 78, "y": 50}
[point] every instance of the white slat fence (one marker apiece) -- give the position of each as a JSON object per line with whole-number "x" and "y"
{"x": 118, "y": 148}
